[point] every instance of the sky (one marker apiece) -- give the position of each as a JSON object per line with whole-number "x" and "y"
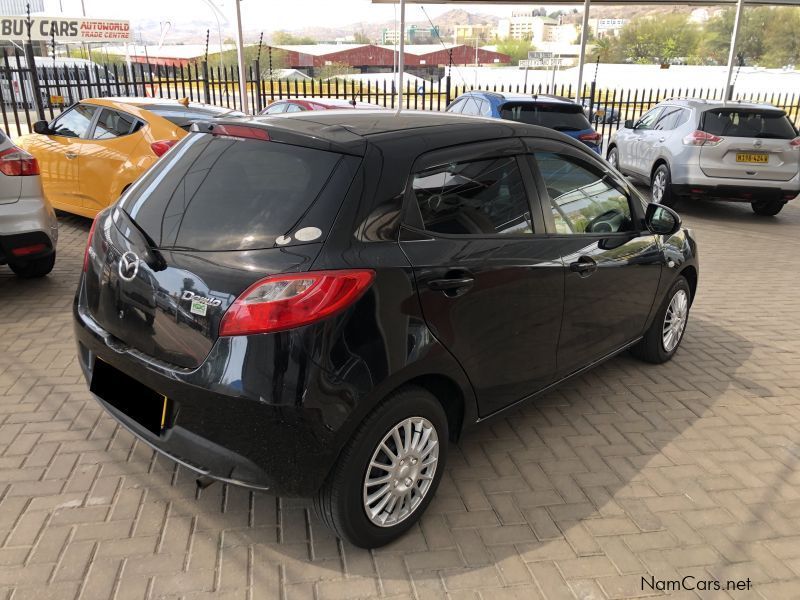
{"x": 273, "y": 15}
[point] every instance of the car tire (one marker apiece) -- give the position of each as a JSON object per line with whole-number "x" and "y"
{"x": 661, "y": 187}
{"x": 31, "y": 269}
{"x": 342, "y": 502}
{"x": 613, "y": 157}
{"x": 656, "y": 346}
{"x": 767, "y": 208}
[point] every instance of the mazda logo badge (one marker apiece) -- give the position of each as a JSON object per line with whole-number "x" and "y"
{"x": 128, "y": 266}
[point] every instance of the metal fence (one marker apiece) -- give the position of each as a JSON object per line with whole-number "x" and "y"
{"x": 28, "y": 95}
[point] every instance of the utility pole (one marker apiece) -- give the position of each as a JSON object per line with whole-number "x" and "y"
{"x": 584, "y": 37}
{"x": 728, "y": 91}
{"x": 31, "y": 63}
{"x": 240, "y": 55}
{"x": 401, "y": 60}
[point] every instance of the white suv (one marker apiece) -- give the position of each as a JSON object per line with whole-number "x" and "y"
{"x": 734, "y": 151}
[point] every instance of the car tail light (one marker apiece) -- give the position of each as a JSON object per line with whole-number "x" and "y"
{"x": 593, "y": 137}
{"x": 89, "y": 243}
{"x": 16, "y": 162}
{"x": 160, "y": 147}
{"x": 28, "y": 250}
{"x": 701, "y": 138}
{"x": 242, "y": 132}
{"x": 795, "y": 143}
{"x": 283, "y": 302}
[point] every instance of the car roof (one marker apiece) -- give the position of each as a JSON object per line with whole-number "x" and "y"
{"x": 703, "y": 104}
{"x": 155, "y": 104}
{"x": 349, "y": 131}
{"x": 517, "y": 97}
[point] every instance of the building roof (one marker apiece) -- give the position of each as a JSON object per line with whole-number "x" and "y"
{"x": 320, "y": 49}
{"x": 179, "y": 51}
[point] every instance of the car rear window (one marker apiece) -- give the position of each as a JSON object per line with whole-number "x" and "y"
{"x": 561, "y": 117}
{"x": 735, "y": 122}
{"x": 221, "y": 193}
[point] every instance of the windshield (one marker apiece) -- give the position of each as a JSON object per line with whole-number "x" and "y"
{"x": 561, "y": 117}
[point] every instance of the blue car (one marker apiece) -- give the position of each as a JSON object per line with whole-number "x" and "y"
{"x": 553, "y": 112}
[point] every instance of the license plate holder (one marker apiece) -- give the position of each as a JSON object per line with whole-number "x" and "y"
{"x": 758, "y": 158}
{"x": 149, "y": 408}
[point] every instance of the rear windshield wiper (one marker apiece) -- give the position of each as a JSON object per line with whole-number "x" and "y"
{"x": 155, "y": 261}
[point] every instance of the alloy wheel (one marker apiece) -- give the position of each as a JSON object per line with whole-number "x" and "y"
{"x": 613, "y": 159}
{"x": 401, "y": 471}
{"x": 659, "y": 186}
{"x": 675, "y": 320}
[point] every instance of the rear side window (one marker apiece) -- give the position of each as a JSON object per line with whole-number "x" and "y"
{"x": 220, "y": 193}
{"x": 734, "y": 122}
{"x": 111, "y": 124}
{"x": 485, "y": 197}
{"x": 561, "y": 117}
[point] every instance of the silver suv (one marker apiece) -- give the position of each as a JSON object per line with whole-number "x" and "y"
{"x": 686, "y": 148}
{"x": 28, "y": 225}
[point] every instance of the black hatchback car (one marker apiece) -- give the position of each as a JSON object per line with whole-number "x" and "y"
{"x": 317, "y": 304}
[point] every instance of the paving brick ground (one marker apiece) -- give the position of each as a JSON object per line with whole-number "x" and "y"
{"x": 632, "y": 470}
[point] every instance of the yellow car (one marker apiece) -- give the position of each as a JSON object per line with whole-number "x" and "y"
{"x": 94, "y": 150}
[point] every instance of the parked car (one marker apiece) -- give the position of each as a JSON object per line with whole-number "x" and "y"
{"x": 417, "y": 274}
{"x": 293, "y": 105}
{"x": 736, "y": 151}
{"x": 28, "y": 225}
{"x": 600, "y": 112}
{"x": 97, "y": 148}
{"x": 553, "y": 112}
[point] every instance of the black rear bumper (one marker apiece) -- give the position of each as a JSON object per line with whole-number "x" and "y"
{"x": 734, "y": 193}
{"x": 8, "y": 243}
{"x": 215, "y": 427}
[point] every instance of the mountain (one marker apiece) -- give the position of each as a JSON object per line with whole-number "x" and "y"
{"x": 446, "y": 22}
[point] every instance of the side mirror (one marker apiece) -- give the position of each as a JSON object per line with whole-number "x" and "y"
{"x": 629, "y": 124}
{"x": 41, "y": 127}
{"x": 661, "y": 220}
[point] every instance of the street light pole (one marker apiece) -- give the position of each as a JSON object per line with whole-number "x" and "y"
{"x": 401, "y": 59}
{"x": 728, "y": 92}
{"x": 584, "y": 38}
{"x": 240, "y": 55}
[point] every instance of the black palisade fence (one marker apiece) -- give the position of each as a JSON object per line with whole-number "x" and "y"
{"x": 59, "y": 85}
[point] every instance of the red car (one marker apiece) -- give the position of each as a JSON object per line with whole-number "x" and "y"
{"x": 303, "y": 104}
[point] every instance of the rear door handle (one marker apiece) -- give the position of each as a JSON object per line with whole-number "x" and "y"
{"x": 454, "y": 283}
{"x": 584, "y": 266}
{"x": 71, "y": 155}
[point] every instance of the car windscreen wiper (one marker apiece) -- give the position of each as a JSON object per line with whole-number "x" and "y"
{"x": 153, "y": 257}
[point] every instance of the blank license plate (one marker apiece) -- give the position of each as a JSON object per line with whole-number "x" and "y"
{"x": 147, "y": 407}
{"x": 752, "y": 157}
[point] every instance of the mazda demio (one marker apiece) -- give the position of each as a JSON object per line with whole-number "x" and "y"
{"x": 317, "y": 305}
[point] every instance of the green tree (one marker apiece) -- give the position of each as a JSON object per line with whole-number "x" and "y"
{"x": 334, "y": 69}
{"x": 782, "y": 44}
{"x": 516, "y": 49}
{"x": 284, "y": 38}
{"x": 361, "y": 38}
{"x": 756, "y": 23}
{"x": 647, "y": 39}
{"x": 231, "y": 59}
